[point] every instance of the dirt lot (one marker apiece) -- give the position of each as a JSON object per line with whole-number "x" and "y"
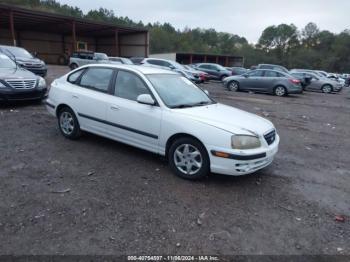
{"x": 96, "y": 196}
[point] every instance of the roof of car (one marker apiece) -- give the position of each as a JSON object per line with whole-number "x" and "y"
{"x": 146, "y": 70}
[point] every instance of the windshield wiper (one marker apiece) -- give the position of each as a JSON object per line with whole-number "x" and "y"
{"x": 182, "y": 106}
{"x": 202, "y": 103}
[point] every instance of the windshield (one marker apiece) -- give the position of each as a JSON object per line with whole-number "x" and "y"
{"x": 178, "y": 92}
{"x": 6, "y": 62}
{"x": 18, "y": 52}
{"x": 101, "y": 56}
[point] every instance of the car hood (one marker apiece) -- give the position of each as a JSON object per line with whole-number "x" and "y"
{"x": 28, "y": 60}
{"x": 228, "y": 118}
{"x": 8, "y": 73}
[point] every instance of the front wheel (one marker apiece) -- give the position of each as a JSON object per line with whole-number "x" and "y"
{"x": 280, "y": 91}
{"x": 68, "y": 123}
{"x": 189, "y": 159}
{"x": 326, "y": 89}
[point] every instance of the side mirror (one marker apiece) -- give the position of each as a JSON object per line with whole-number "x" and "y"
{"x": 172, "y": 67}
{"x": 146, "y": 99}
{"x": 35, "y": 54}
{"x": 246, "y": 76}
{"x": 207, "y": 92}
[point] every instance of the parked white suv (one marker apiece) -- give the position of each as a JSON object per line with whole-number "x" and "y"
{"x": 165, "y": 113}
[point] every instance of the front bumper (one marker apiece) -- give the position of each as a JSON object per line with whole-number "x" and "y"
{"x": 22, "y": 95}
{"x": 242, "y": 164}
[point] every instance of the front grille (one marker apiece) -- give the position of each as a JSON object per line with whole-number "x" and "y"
{"x": 22, "y": 83}
{"x": 270, "y": 137}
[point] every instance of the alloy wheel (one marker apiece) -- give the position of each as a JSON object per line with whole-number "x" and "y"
{"x": 67, "y": 123}
{"x": 280, "y": 91}
{"x": 233, "y": 86}
{"x": 188, "y": 159}
{"x": 326, "y": 89}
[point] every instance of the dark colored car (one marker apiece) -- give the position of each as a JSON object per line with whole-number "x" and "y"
{"x": 264, "y": 81}
{"x": 17, "y": 83}
{"x": 25, "y": 59}
{"x": 215, "y": 71}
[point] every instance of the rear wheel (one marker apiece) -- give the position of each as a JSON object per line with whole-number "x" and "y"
{"x": 68, "y": 123}
{"x": 189, "y": 159}
{"x": 326, "y": 89}
{"x": 280, "y": 91}
{"x": 223, "y": 77}
{"x": 233, "y": 86}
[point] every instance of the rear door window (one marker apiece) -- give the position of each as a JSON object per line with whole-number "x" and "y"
{"x": 256, "y": 73}
{"x": 97, "y": 78}
{"x": 271, "y": 74}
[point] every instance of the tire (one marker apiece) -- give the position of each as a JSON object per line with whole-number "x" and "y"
{"x": 189, "y": 159}
{"x": 327, "y": 89}
{"x": 223, "y": 77}
{"x": 280, "y": 91}
{"x": 73, "y": 66}
{"x": 68, "y": 123}
{"x": 233, "y": 86}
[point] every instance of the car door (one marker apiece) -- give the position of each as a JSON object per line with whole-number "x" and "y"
{"x": 314, "y": 82}
{"x": 251, "y": 80}
{"x": 88, "y": 97}
{"x": 268, "y": 81}
{"x": 129, "y": 121}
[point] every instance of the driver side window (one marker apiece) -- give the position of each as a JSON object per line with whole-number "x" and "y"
{"x": 129, "y": 86}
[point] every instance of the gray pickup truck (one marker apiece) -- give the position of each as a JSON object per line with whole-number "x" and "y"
{"x": 85, "y": 57}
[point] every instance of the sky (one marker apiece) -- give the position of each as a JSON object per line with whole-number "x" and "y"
{"x": 247, "y": 18}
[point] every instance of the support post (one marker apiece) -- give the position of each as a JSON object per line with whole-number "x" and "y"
{"x": 191, "y": 59}
{"x": 146, "y": 44}
{"x": 205, "y": 59}
{"x": 74, "y": 37}
{"x": 226, "y": 61}
{"x": 116, "y": 43}
{"x": 217, "y": 59}
{"x": 12, "y": 29}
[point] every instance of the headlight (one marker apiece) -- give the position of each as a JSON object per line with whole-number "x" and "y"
{"x": 2, "y": 85}
{"x": 42, "y": 83}
{"x": 245, "y": 142}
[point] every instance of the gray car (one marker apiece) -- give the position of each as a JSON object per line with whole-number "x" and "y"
{"x": 174, "y": 66}
{"x": 264, "y": 81}
{"x": 215, "y": 71}
{"x": 17, "y": 83}
{"x": 319, "y": 82}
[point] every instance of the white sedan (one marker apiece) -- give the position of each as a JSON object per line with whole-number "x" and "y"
{"x": 165, "y": 113}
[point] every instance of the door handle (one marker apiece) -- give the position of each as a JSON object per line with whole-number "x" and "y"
{"x": 115, "y": 108}
{"x": 75, "y": 96}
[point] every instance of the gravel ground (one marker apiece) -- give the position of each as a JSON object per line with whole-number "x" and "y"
{"x": 96, "y": 196}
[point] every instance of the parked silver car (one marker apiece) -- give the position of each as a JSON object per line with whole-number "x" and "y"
{"x": 318, "y": 82}
{"x": 264, "y": 81}
{"x": 174, "y": 66}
